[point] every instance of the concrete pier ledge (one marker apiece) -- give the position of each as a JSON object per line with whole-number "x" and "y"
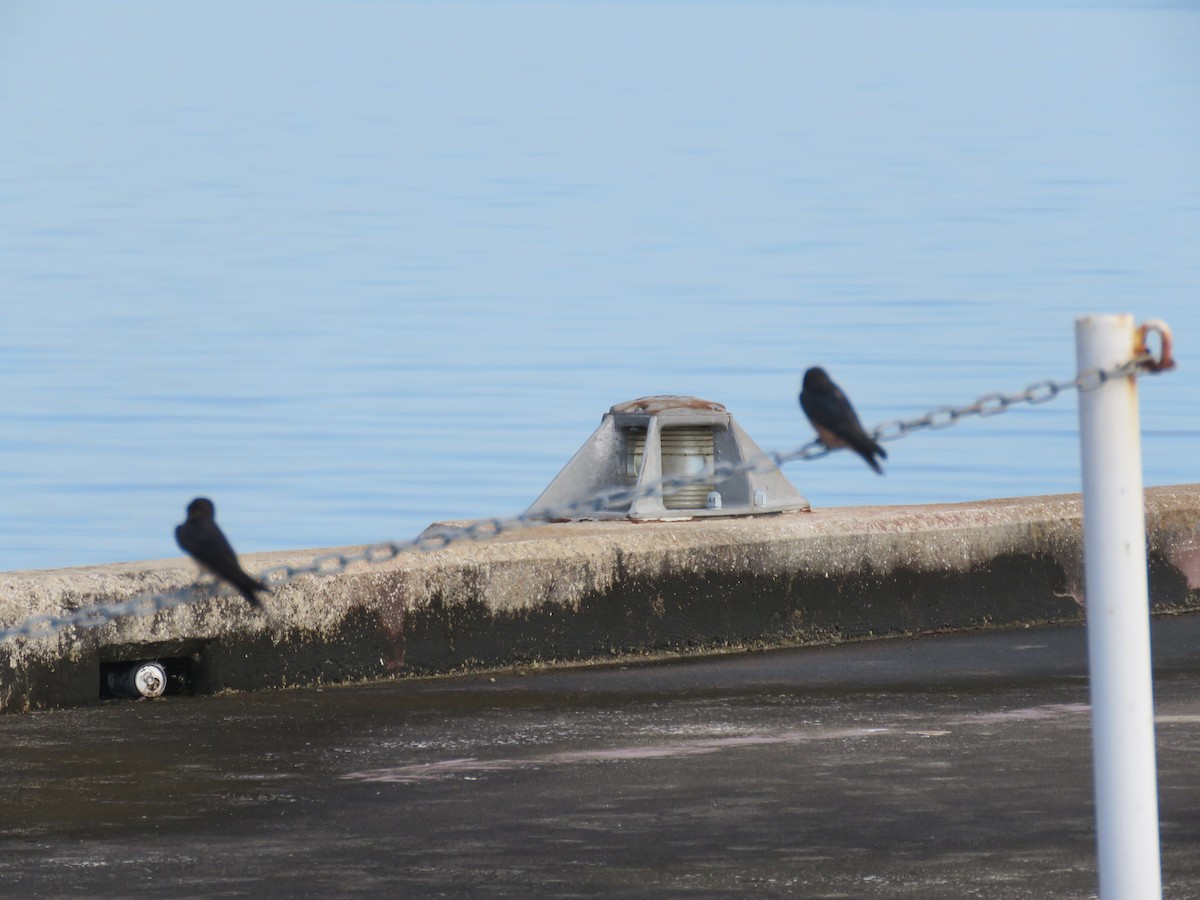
{"x": 595, "y": 590}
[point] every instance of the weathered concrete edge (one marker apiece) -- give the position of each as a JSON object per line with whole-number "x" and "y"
{"x": 598, "y": 590}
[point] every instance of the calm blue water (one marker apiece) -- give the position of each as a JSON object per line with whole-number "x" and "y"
{"x": 348, "y": 268}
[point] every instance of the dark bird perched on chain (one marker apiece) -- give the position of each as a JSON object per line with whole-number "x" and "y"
{"x": 834, "y": 418}
{"x": 203, "y": 541}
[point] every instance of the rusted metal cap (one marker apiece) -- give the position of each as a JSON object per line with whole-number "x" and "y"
{"x": 667, "y": 403}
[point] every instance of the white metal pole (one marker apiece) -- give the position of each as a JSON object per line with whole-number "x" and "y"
{"x": 1118, "y": 616}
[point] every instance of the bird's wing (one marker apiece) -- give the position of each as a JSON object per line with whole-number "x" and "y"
{"x": 208, "y": 544}
{"x": 829, "y": 407}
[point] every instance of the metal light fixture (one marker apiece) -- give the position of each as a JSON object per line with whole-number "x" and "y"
{"x": 654, "y": 439}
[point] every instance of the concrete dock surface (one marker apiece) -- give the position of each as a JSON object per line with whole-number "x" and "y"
{"x": 954, "y": 765}
{"x": 586, "y": 591}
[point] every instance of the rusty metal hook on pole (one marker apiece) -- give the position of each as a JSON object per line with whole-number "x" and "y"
{"x": 1118, "y": 610}
{"x": 1165, "y": 361}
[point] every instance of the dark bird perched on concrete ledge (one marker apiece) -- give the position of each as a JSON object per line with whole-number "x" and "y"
{"x": 203, "y": 541}
{"x": 834, "y": 418}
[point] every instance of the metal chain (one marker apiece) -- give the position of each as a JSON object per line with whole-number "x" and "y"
{"x": 994, "y": 404}
{"x": 332, "y": 564}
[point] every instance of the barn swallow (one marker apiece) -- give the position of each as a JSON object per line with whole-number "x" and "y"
{"x": 203, "y": 541}
{"x": 834, "y": 418}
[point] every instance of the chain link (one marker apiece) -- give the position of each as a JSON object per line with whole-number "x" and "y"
{"x": 331, "y": 564}
{"x": 994, "y": 404}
